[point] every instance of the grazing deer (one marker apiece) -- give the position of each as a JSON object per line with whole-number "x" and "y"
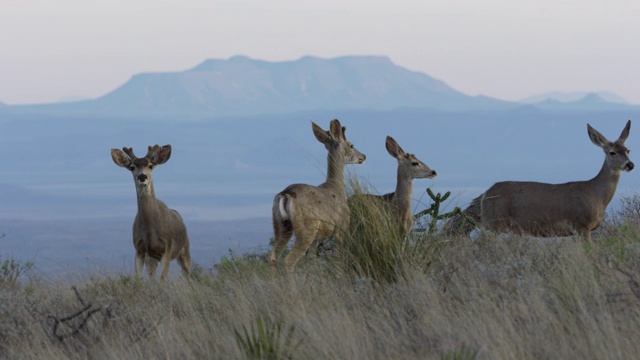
{"x": 409, "y": 168}
{"x": 546, "y": 210}
{"x": 159, "y": 234}
{"x": 315, "y": 212}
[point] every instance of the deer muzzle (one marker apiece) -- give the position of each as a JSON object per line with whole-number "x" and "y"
{"x": 628, "y": 166}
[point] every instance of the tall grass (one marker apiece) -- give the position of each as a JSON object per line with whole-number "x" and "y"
{"x": 436, "y": 297}
{"x": 374, "y": 247}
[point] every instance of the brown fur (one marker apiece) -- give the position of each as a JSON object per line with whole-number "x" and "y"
{"x": 573, "y": 208}
{"x": 409, "y": 168}
{"x": 314, "y": 213}
{"x": 159, "y": 233}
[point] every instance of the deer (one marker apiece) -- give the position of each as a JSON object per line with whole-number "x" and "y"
{"x": 310, "y": 212}
{"x": 550, "y": 210}
{"x": 159, "y": 233}
{"x": 399, "y": 201}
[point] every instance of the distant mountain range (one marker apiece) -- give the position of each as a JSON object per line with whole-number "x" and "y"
{"x": 241, "y": 86}
{"x": 590, "y": 102}
{"x": 573, "y": 96}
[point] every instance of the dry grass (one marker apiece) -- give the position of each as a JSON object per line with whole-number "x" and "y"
{"x": 451, "y": 298}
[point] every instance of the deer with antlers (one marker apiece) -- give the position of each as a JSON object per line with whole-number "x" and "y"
{"x": 159, "y": 233}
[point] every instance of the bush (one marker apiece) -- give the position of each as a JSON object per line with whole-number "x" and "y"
{"x": 11, "y": 270}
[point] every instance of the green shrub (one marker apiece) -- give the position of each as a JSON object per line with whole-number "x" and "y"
{"x": 267, "y": 340}
{"x": 462, "y": 353}
{"x": 11, "y": 270}
{"x": 430, "y": 219}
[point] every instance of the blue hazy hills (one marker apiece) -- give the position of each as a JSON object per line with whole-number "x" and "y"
{"x": 240, "y": 86}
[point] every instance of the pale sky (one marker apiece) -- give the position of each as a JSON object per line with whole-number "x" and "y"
{"x": 508, "y": 49}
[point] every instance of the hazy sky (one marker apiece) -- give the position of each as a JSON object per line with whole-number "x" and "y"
{"x": 509, "y": 49}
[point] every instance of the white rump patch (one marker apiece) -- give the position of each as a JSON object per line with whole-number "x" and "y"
{"x": 283, "y": 208}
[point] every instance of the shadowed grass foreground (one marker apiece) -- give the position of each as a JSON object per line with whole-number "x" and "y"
{"x": 436, "y": 298}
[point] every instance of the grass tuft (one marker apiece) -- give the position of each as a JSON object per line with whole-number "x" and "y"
{"x": 266, "y": 339}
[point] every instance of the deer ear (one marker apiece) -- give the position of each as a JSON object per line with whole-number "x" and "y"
{"x": 625, "y": 133}
{"x": 320, "y": 134}
{"x": 393, "y": 148}
{"x": 120, "y": 158}
{"x": 336, "y": 130}
{"x": 597, "y": 138}
{"x": 162, "y": 155}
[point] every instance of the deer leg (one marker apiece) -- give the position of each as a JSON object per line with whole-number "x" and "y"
{"x": 339, "y": 236}
{"x": 184, "y": 260}
{"x": 151, "y": 265}
{"x": 283, "y": 234}
{"x": 166, "y": 261}
{"x": 585, "y": 234}
{"x": 304, "y": 239}
{"x": 139, "y": 263}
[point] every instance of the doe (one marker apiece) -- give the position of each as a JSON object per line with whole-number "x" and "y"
{"x": 315, "y": 212}
{"x": 399, "y": 201}
{"x": 547, "y": 210}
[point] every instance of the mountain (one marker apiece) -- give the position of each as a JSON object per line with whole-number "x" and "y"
{"x": 590, "y": 102}
{"x": 573, "y": 96}
{"x": 76, "y": 98}
{"x": 241, "y": 86}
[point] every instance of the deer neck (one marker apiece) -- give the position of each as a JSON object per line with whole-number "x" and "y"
{"x": 335, "y": 172}
{"x": 605, "y": 183}
{"x": 404, "y": 189}
{"x": 147, "y": 203}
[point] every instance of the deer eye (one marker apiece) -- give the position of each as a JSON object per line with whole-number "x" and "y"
{"x": 612, "y": 153}
{"x": 132, "y": 167}
{"x": 415, "y": 163}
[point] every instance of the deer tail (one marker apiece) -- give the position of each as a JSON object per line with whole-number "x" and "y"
{"x": 283, "y": 206}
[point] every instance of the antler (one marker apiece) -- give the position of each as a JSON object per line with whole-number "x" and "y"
{"x": 152, "y": 150}
{"x": 150, "y": 153}
{"x": 129, "y": 151}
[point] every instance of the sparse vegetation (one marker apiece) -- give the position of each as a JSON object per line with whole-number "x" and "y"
{"x": 501, "y": 297}
{"x": 265, "y": 340}
{"x": 463, "y": 353}
{"x": 432, "y": 215}
{"x": 11, "y": 270}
